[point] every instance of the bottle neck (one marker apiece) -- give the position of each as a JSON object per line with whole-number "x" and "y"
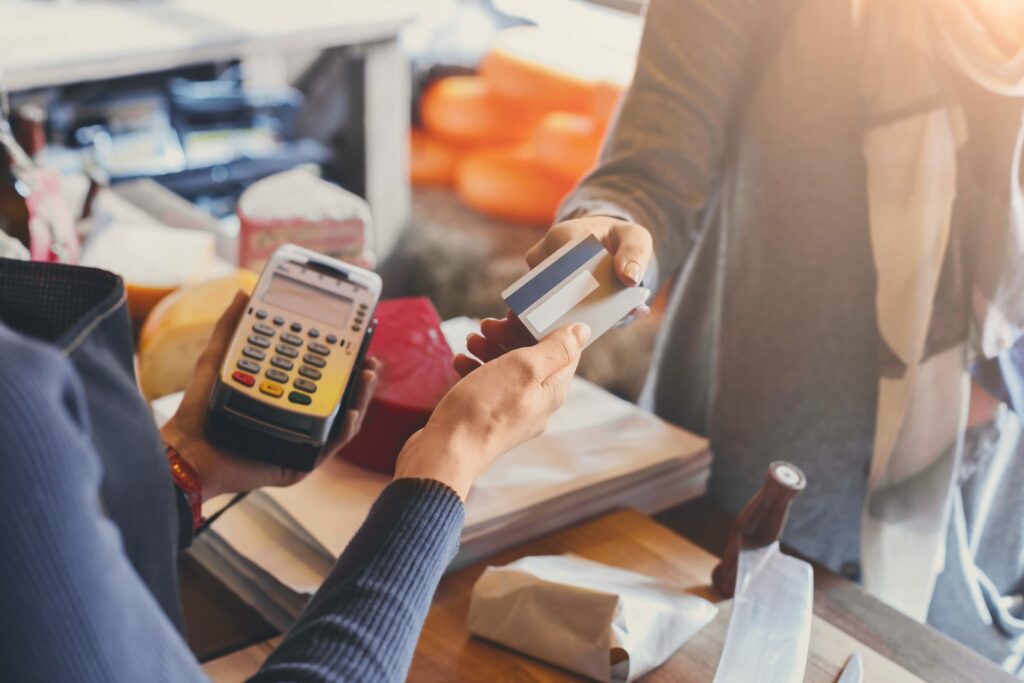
{"x": 6, "y": 164}
{"x": 31, "y": 135}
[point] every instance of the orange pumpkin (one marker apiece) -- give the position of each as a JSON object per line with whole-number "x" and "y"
{"x": 512, "y": 184}
{"x": 466, "y": 110}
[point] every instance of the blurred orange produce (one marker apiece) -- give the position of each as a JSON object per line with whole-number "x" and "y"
{"x": 518, "y": 77}
{"x": 466, "y": 109}
{"x": 512, "y": 184}
{"x": 514, "y": 139}
{"x": 433, "y": 160}
{"x": 569, "y": 143}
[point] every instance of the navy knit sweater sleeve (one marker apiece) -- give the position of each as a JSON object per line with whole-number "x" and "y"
{"x": 72, "y": 607}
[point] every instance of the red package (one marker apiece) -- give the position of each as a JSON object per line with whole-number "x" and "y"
{"x": 417, "y": 372}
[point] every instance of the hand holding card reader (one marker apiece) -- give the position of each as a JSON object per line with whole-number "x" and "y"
{"x": 292, "y": 366}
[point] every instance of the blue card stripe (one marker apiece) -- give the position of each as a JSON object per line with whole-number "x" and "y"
{"x": 566, "y": 265}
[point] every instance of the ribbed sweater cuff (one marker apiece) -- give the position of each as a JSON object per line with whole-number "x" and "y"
{"x": 410, "y": 534}
{"x": 405, "y": 493}
{"x": 410, "y": 513}
{"x": 363, "y": 623}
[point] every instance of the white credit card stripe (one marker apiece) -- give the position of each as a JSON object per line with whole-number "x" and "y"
{"x": 558, "y": 303}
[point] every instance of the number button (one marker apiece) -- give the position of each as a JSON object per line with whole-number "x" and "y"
{"x": 318, "y": 348}
{"x": 291, "y": 339}
{"x": 277, "y": 375}
{"x": 287, "y": 351}
{"x": 300, "y": 398}
{"x": 243, "y": 378}
{"x": 248, "y": 365}
{"x": 271, "y": 389}
{"x": 305, "y": 385}
{"x": 254, "y": 353}
{"x": 315, "y": 361}
{"x": 282, "y": 363}
{"x": 309, "y": 372}
{"x": 265, "y": 330}
{"x": 259, "y": 340}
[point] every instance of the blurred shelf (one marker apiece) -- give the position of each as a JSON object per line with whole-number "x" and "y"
{"x": 52, "y": 44}
{"x": 48, "y": 44}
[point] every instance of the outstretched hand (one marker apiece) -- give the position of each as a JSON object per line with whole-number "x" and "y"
{"x": 493, "y": 409}
{"x": 631, "y": 248}
{"x": 497, "y": 337}
{"x": 630, "y": 244}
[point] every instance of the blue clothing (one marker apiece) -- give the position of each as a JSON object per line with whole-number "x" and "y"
{"x": 82, "y": 313}
{"x": 81, "y": 599}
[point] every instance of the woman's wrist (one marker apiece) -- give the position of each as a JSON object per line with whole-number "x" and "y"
{"x": 442, "y": 455}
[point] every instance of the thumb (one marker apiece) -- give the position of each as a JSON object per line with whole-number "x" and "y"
{"x": 221, "y": 337}
{"x": 560, "y": 349}
{"x": 632, "y": 247}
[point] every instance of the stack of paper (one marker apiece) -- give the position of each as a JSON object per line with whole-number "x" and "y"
{"x": 599, "y": 453}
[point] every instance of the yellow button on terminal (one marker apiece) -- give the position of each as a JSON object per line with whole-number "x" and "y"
{"x": 271, "y": 389}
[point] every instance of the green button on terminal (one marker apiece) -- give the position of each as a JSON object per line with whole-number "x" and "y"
{"x": 300, "y": 398}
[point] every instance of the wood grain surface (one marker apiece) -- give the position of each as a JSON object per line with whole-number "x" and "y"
{"x": 627, "y": 539}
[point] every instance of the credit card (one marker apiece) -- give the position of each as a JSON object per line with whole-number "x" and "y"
{"x": 576, "y": 284}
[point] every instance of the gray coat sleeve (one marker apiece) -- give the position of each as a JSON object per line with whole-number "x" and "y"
{"x": 663, "y": 153}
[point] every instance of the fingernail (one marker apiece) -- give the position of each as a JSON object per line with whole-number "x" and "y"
{"x": 642, "y": 309}
{"x": 632, "y": 271}
{"x": 582, "y": 333}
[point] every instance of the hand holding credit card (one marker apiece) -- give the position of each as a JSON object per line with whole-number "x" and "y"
{"x": 575, "y": 284}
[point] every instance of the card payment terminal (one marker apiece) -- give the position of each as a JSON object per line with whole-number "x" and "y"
{"x": 293, "y": 362}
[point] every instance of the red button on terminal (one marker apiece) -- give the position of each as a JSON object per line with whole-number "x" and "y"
{"x": 243, "y": 378}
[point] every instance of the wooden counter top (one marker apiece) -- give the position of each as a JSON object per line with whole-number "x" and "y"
{"x": 631, "y": 540}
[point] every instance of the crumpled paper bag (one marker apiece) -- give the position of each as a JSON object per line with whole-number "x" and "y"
{"x": 605, "y": 623}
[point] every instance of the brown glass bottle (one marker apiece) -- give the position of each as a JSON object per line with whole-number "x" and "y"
{"x": 760, "y": 522}
{"x": 14, "y": 211}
